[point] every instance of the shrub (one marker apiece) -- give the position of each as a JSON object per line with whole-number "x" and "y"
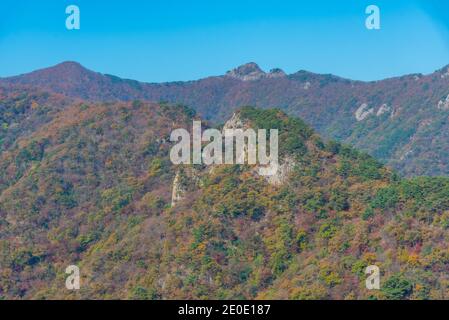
{"x": 397, "y": 287}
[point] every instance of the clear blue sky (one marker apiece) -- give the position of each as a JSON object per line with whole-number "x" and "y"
{"x": 167, "y": 40}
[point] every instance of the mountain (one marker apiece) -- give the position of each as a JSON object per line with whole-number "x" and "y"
{"x": 91, "y": 184}
{"x": 401, "y": 121}
{"x": 73, "y": 80}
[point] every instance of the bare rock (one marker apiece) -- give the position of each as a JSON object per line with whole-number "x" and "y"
{"x": 284, "y": 169}
{"x": 251, "y": 71}
{"x": 186, "y": 179}
{"x": 443, "y": 104}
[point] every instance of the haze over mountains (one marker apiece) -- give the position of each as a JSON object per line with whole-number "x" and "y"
{"x": 401, "y": 121}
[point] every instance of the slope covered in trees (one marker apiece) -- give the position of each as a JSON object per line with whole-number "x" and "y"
{"x": 400, "y": 121}
{"x": 92, "y": 186}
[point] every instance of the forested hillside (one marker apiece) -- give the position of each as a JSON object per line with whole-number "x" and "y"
{"x": 91, "y": 185}
{"x": 400, "y": 121}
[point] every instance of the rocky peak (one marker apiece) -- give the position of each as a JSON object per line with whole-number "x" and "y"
{"x": 251, "y": 71}
{"x": 276, "y": 73}
{"x": 247, "y": 72}
{"x": 235, "y": 122}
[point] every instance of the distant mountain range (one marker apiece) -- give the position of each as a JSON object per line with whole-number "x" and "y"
{"x": 86, "y": 180}
{"x": 401, "y": 121}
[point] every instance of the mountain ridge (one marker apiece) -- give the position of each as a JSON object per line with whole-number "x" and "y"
{"x": 74, "y": 65}
{"x": 401, "y": 121}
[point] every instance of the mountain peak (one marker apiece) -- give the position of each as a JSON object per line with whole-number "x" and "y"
{"x": 68, "y": 66}
{"x": 55, "y": 73}
{"x": 70, "y": 63}
{"x": 249, "y": 67}
{"x": 247, "y": 72}
{"x": 69, "y": 78}
{"x": 251, "y": 71}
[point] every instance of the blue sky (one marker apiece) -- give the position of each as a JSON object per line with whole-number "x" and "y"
{"x": 168, "y": 40}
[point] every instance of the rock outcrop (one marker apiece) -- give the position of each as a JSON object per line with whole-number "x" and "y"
{"x": 445, "y": 73}
{"x": 284, "y": 169}
{"x": 251, "y": 71}
{"x": 186, "y": 179}
{"x": 444, "y": 104}
{"x": 235, "y": 122}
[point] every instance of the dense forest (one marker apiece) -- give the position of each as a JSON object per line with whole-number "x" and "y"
{"x": 91, "y": 184}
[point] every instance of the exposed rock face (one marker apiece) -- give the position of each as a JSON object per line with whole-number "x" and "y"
{"x": 363, "y": 112}
{"x": 247, "y": 72}
{"x": 444, "y": 104}
{"x": 445, "y": 73}
{"x": 234, "y": 123}
{"x": 186, "y": 178}
{"x": 251, "y": 71}
{"x": 284, "y": 168}
{"x": 178, "y": 190}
